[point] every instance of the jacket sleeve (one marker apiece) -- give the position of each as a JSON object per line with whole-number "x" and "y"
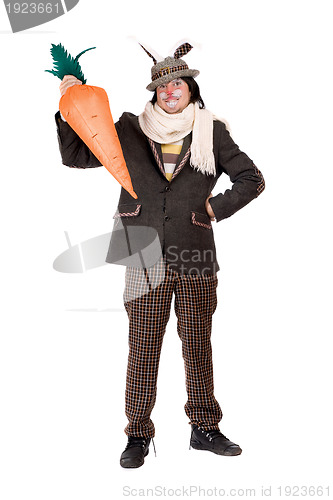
{"x": 246, "y": 178}
{"x": 74, "y": 152}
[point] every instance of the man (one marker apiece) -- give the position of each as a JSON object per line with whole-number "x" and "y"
{"x": 175, "y": 152}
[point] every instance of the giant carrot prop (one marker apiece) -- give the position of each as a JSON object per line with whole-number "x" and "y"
{"x": 86, "y": 109}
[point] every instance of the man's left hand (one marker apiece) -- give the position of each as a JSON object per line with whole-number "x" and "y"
{"x": 209, "y": 209}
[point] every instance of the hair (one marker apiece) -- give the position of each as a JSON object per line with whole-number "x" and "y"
{"x": 194, "y": 91}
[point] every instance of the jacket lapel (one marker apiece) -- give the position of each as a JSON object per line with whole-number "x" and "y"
{"x": 157, "y": 152}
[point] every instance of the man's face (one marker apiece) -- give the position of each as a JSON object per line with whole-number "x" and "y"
{"x": 173, "y": 97}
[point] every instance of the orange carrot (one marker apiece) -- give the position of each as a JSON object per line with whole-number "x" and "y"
{"x": 86, "y": 109}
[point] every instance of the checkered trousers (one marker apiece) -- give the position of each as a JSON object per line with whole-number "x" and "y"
{"x": 147, "y": 297}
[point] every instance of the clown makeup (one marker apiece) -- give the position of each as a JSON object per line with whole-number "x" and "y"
{"x": 171, "y": 100}
{"x": 174, "y": 96}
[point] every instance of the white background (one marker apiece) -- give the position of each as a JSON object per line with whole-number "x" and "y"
{"x": 266, "y": 67}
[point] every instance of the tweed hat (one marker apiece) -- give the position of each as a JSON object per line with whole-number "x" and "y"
{"x": 170, "y": 68}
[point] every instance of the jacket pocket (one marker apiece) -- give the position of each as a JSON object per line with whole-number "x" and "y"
{"x": 131, "y": 210}
{"x": 201, "y": 220}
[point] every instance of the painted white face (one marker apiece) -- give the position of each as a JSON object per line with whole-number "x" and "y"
{"x": 173, "y": 97}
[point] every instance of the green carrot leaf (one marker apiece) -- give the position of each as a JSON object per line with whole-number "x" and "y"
{"x": 65, "y": 64}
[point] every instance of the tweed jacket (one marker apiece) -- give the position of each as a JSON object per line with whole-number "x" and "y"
{"x": 168, "y": 218}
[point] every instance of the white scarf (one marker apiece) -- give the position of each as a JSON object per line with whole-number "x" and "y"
{"x": 166, "y": 128}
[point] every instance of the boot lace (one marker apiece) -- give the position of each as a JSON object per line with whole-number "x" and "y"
{"x": 139, "y": 441}
{"x": 211, "y": 435}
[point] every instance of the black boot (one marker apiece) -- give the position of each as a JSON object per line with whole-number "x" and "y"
{"x": 135, "y": 452}
{"x": 214, "y": 441}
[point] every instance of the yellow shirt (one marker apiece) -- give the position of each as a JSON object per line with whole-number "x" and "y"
{"x": 170, "y": 154}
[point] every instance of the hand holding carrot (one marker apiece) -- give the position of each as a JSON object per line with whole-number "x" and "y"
{"x": 68, "y": 81}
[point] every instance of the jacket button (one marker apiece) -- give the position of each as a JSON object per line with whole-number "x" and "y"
{"x": 166, "y": 218}
{"x": 167, "y": 188}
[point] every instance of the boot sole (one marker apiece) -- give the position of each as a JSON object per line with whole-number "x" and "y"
{"x": 199, "y": 446}
{"x": 125, "y": 462}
